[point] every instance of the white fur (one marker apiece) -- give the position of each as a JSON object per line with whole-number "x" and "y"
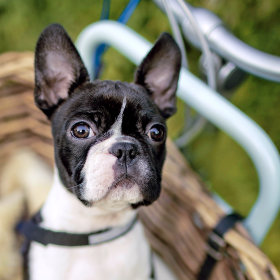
{"x": 99, "y": 175}
{"x": 127, "y": 257}
{"x": 118, "y": 123}
{"x": 98, "y": 171}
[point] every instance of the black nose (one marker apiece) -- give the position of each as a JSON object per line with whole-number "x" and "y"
{"x": 125, "y": 152}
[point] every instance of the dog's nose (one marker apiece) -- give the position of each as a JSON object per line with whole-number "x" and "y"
{"x": 125, "y": 152}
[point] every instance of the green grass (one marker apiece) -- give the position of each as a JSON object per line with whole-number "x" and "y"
{"x": 218, "y": 159}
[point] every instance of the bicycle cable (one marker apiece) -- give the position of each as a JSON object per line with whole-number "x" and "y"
{"x": 192, "y": 131}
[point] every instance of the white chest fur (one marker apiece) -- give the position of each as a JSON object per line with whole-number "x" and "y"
{"x": 124, "y": 258}
{"x": 127, "y": 257}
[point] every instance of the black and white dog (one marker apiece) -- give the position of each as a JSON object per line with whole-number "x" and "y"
{"x": 109, "y": 140}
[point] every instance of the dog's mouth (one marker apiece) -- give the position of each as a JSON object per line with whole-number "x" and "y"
{"x": 124, "y": 181}
{"x": 124, "y": 189}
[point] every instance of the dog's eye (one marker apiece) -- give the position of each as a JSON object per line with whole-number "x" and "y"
{"x": 82, "y": 130}
{"x": 157, "y": 133}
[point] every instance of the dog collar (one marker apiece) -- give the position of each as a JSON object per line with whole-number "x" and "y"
{"x": 32, "y": 231}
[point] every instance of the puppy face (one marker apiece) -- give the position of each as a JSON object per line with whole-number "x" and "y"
{"x": 109, "y": 136}
{"x": 109, "y": 143}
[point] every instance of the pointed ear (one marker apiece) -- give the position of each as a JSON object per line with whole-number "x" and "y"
{"x": 159, "y": 73}
{"x": 58, "y": 68}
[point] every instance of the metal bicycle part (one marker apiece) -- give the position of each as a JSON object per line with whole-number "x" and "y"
{"x": 195, "y": 125}
{"x": 221, "y": 75}
{"x": 212, "y": 106}
{"x": 224, "y": 43}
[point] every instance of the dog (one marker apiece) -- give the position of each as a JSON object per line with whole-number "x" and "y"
{"x": 109, "y": 144}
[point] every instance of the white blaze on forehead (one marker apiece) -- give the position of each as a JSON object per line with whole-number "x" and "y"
{"x": 117, "y": 126}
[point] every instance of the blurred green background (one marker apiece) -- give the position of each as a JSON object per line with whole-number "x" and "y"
{"x": 219, "y": 160}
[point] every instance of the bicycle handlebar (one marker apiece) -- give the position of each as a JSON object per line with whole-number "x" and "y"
{"x": 224, "y": 43}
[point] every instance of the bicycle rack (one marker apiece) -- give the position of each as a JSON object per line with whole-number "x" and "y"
{"x": 212, "y": 106}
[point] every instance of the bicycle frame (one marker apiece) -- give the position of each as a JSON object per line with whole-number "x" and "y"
{"x": 212, "y": 106}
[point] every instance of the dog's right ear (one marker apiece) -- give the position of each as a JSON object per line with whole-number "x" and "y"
{"x": 58, "y": 68}
{"x": 159, "y": 74}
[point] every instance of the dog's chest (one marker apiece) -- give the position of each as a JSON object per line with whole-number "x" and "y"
{"x": 125, "y": 258}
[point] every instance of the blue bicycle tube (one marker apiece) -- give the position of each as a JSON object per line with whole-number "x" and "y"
{"x": 124, "y": 17}
{"x": 128, "y": 11}
{"x": 96, "y": 58}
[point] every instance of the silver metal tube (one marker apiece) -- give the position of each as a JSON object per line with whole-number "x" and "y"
{"x": 224, "y": 43}
{"x": 247, "y": 58}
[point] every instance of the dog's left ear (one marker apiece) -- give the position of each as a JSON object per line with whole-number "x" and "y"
{"x": 159, "y": 73}
{"x": 58, "y": 69}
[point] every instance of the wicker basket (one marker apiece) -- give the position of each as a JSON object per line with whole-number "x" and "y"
{"x": 177, "y": 225}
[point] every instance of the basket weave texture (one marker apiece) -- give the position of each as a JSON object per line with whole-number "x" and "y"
{"x": 177, "y": 225}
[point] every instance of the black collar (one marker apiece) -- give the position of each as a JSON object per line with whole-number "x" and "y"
{"x": 34, "y": 232}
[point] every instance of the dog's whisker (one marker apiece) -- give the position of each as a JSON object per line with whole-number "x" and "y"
{"x": 75, "y": 187}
